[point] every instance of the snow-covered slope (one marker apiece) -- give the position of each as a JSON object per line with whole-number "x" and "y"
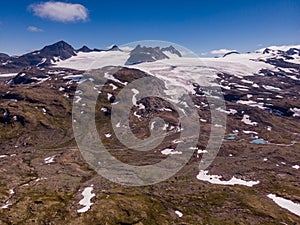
{"x": 236, "y": 64}
{"x": 94, "y": 60}
{"x": 186, "y": 71}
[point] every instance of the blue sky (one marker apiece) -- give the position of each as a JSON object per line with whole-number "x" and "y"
{"x": 201, "y": 26}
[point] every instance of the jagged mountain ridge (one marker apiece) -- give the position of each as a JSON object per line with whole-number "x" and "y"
{"x": 59, "y": 51}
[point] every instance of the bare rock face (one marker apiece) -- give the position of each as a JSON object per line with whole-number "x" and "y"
{"x": 3, "y": 56}
{"x": 145, "y": 54}
{"x": 172, "y": 50}
{"x": 84, "y": 49}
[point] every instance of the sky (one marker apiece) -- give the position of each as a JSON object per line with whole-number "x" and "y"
{"x": 205, "y": 27}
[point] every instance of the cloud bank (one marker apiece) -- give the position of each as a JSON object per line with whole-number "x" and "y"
{"x": 221, "y": 51}
{"x": 60, "y": 11}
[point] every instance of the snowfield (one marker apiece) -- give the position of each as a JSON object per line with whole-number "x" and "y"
{"x": 286, "y": 204}
{"x": 216, "y": 179}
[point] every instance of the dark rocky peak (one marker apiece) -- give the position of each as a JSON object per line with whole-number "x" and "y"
{"x": 114, "y": 48}
{"x": 59, "y": 49}
{"x": 87, "y": 49}
{"x": 145, "y": 54}
{"x": 267, "y": 51}
{"x": 84, "y": 49}
{"x": 293, "y": 51}
{"x": 172, "y": 50}
{"x": 3, "y": 56}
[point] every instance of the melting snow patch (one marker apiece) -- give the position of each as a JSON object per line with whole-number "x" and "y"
{"x": 42, "y": 61}
{"x": 111, "y": 77}
{"x": 215, "y": 179}
{"x": 296, "y": 167}
{"x": 166, "y": 109}
{"x": 108, "y": 135}
{"x": 109, "y": 95}
{"x": 252, "y": 103}
{"x": 271, "y": 88}
{"x": 135, "y": 92}
{"x": 296, "y": 112}
{"x": 178, "y": 213}
{"x": 229, "y": 111}
{"x": 246, "y": 120}
{"x": 200, "y": 151}
{"x": 66, "y": 95}
{"x": 114, "y": 87}
{"x": 11, "y": 191}
{"x": 6, "y": 205}
{"x": 86, "y": 201}
{"x": 286, "y": 204}
{"x": 77, "y": 99}
{"x": 247, "y": 81}
{"x": 170, "y": 151}
{"x": 103, "y": 109}
{"x": 138, "y": 116}
{"x": 49, "y": 160}
{"x": 217, "y": 125}
{"x": 8, "y": 75}
{"x": 249, "y": 132}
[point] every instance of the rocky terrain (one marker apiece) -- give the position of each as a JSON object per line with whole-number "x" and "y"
{"x": 253, "y": 180}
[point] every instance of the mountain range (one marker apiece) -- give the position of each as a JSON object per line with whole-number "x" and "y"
{"x": 51, "y": 54}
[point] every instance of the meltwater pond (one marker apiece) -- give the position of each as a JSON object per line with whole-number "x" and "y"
{"x": 258, "y": 141}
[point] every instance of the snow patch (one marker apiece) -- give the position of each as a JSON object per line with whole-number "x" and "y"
{"x": 49, "y": 160}
{"x": 86, "y": 201}
{"x": 246, "y": 120}
{"x": 296, "y": 112}
{"x": 170, "y": 151}
{"x": 296, "y": 167}
{"x": 215, "y": 179}
{"x": 286, "y": 204}
{"x": 178, "y": 213}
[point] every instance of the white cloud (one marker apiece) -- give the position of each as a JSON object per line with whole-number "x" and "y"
{"x": 34, "y": 29}
{"x": 221, "y": 51}
{"x": 60, "y": 11}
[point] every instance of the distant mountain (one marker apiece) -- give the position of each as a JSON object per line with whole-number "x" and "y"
{"x": 172, "y": 50}
{"x": 145, "y": 54}
{"x": 84, "y": 49}
{"x": 285, "y": 51}
{"x": 114, "y": 48}
{"x": 3, "y": 56}
{"x": 44, "y": 57}
{"x": 87, "y": 49}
